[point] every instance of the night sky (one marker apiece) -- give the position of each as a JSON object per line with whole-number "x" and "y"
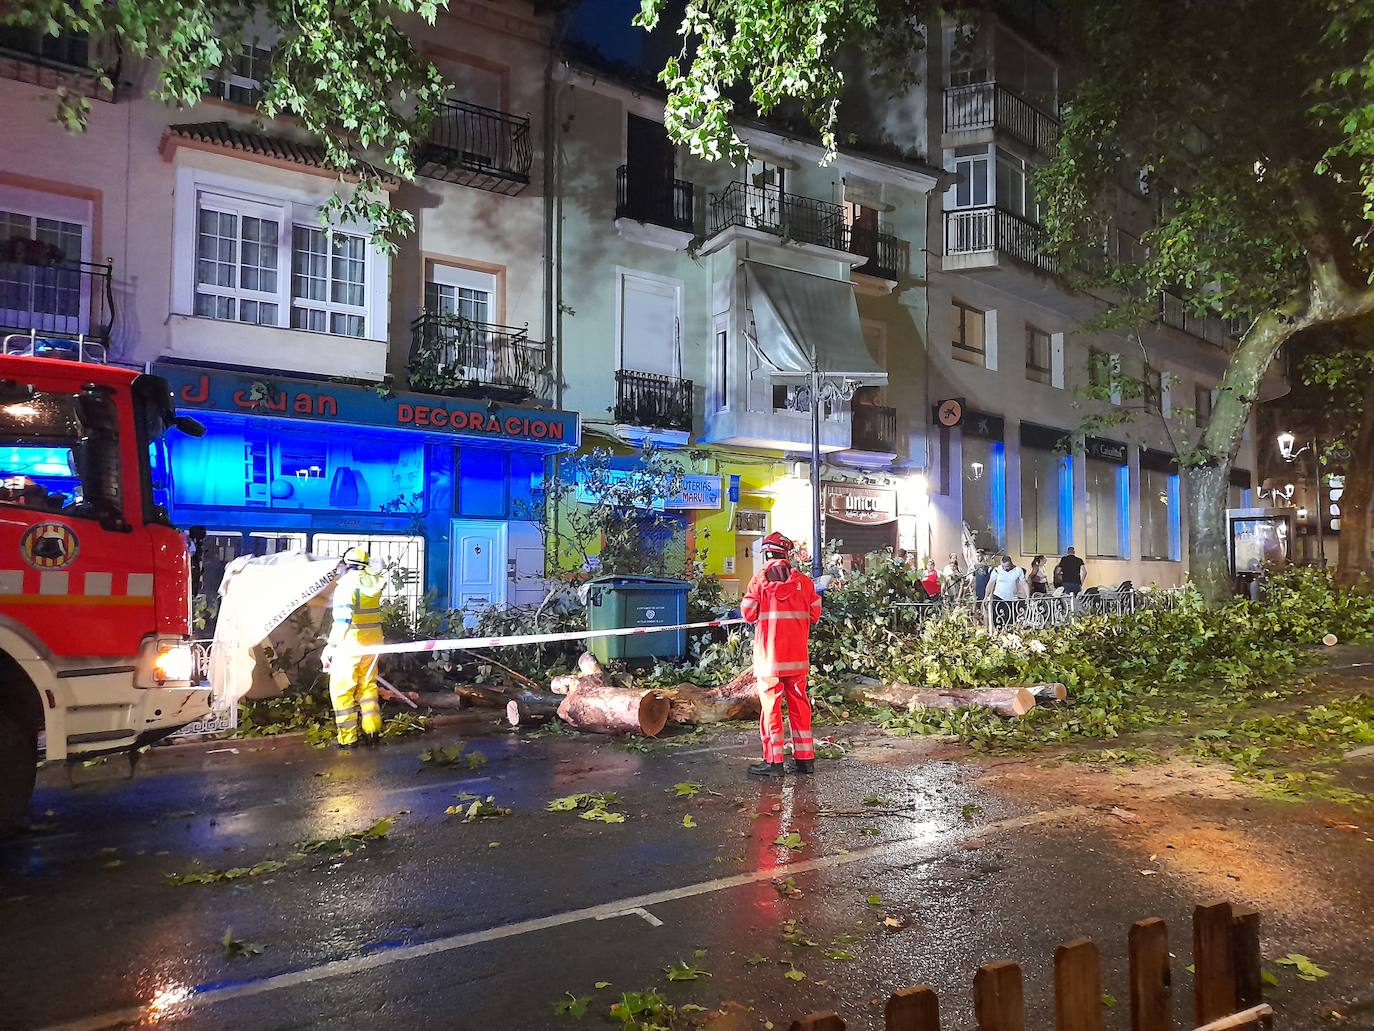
{"x": 605, "y": 24}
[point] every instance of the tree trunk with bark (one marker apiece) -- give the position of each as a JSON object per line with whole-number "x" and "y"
{"x": 1354, "y": 563}
{"x": 605, "y": 709}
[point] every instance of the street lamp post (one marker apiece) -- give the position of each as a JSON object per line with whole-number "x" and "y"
{"x": 1286, "y": 441}
{"x": 822, "y": 391}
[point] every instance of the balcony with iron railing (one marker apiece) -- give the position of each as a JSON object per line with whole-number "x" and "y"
{"x": 456, "y": 356}
{"x": 971, "y": 233}
{"x": 991, "y": 106}
{"x": 770, "y": 210}
{"x": 45, "y": 297}
{"x": 653, "y": 401}
{"x": 477, "y": 146}
{"x": 875, "y": 429}
{"x": 654, "y": 198}
{"x": 1177, "y": 313}
{"x": 881, "y": 249}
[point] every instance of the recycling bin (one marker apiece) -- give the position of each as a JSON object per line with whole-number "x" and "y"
{"x": 618, "y": 602}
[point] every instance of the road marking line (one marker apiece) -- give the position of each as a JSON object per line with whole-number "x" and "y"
{"x": 639, "y": 911}
{"x": 200, "y": 998}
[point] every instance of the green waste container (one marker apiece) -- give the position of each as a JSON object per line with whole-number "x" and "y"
{"x": 617, "y": 602}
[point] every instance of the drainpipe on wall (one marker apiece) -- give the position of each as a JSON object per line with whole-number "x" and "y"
{"x": 553, "y": 238}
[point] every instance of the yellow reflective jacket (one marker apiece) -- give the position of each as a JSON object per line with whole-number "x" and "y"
{"x": 357, "y": 605}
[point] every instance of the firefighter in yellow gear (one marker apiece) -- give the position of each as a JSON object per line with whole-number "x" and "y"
{"x": 353, "y": 677}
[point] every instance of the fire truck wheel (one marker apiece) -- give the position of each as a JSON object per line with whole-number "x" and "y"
{"x": 18, "y": 768}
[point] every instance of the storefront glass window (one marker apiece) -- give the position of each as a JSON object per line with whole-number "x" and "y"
{"x": 985, "y": 509}
{"x": 242, "y": 463}
{"x": 526, "y": 486}
{"x": 1108, "y": 498}
{"x": 482, "y": 483}
{"x": 1042, "y": 472}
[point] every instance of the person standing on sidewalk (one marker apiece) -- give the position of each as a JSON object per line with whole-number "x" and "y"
{"x": 783, "y": 605}
{"x": 1069, "y": 573}
{"x": 353, "y": 677}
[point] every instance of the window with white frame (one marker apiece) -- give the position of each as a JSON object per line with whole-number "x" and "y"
{"x": 968, "y": 334}
{"x": 242, "y": 81}
{"x": 1014, "y": 190}
{"x": 238, "y": 247}
{"x": 971, "y": 190}
{"x": 328, "y": 281}
{"x": 270, "y": 263}
{"x": 39, "y": 261}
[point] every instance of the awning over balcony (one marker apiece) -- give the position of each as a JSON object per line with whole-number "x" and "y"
{"x": 798, "y": 316}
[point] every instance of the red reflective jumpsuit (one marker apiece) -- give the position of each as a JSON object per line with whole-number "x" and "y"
{"x": 783, "y": 604}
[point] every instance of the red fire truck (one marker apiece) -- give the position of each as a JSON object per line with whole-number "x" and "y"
{"x": 95, "y": 588}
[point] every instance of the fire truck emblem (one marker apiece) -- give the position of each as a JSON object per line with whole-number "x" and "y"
{"x": 49, "y": 546}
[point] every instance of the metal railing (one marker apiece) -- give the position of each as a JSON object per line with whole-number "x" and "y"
{"x": 875, "y": 428}
{"x": 990, "y": 105}
{"x": 1175, "y": 312}
{"x": 68, "y": 299}
{"x": 478, "y": 146}
{"x": 993, "y": 230}
{"x": 654, "y": 199}
{"x": 1048, "y": 610}
{"x": 453, "y": 355}
{"x": 767, "y": 208}
{"x": 651, "y": 400}
{"x": 880, "y": 248}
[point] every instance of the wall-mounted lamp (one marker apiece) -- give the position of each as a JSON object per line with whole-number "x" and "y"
{"x": 975, "y": 470}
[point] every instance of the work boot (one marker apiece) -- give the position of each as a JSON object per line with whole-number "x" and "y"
{"x": 371, "y": 740}
{"x": 802, "y": 766}
{"x": 347, "y": 746}
{"x": 766, "y": 770}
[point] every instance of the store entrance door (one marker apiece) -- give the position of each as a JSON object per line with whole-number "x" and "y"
{"x": 477, "y": 565}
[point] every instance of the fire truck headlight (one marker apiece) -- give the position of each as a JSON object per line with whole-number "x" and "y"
{"x": 165, "y": 661}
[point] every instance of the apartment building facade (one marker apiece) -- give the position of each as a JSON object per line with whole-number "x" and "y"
{"x": 697, "y": 298}
{"x": 1014, "y": 363}
{"x": 351, "y": 397}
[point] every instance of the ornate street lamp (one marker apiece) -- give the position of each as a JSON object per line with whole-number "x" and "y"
{"x": 1286, "y": 442}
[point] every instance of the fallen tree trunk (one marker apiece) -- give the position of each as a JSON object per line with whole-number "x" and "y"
{"x": 1006, "y": 701}
{"x": 1048, "y": 692}
{"x": 531, "y": 707}
{"x": 605, "y": 709}
{"x": 737, "y": 699}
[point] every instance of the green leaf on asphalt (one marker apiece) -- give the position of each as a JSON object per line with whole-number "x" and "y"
{"x": 1307, "y": 970}
{"x": 840, "y": 954}
{"x": 1108, "y": 1000}
{"x": 792, "y": 840}
{"x": 686, "y": 789}
{"x": 601, "y": 984}
{"x": 233, "y": 947}
{"x": 970, "y": 811}
{"x": 1268, "y": 977}
{"x": 573, "y": 1006}
{"x": 566, "y": 804}
{"x": 756, "y": 959}
{"x": 875, "y": 900}
{"x": 602, "y": 816}
{"x": 875, "y": 800}
{"x": 684, "y": 971}
{"x": 688, "y": 822}
{"x": 793, "y": 974}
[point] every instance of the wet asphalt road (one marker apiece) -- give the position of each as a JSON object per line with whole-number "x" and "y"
{"x": 485, "y": 925}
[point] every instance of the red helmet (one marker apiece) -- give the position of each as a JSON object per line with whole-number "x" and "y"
{"x": 777, "y": 543}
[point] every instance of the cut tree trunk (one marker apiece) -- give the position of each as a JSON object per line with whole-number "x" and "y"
{"x": 1005, "y": 701}
{"x": 532, "y": 707}
{"x": 604, "y": 709}
{"x": 1047, "y": 692}
{"x": 738, "y": 699}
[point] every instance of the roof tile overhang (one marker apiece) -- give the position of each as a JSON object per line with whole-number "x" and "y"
{"x": 263, "y": 147}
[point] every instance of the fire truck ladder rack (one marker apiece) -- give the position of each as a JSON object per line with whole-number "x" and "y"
{"x": 73, "y": 349}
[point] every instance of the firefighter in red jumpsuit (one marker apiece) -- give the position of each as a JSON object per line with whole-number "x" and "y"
{"x": 783, "y": 604}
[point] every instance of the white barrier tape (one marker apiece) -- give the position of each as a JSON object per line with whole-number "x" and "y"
{"x": 468, "y": 643}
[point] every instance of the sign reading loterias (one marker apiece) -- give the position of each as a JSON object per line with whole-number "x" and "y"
{"x": 202, "y": 389}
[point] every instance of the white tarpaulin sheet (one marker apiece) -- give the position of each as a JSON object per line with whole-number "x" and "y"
{"x": 799, "y": 316}
{"x": 257, "y": 595}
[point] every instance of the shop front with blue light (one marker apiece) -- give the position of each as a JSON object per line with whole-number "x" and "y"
{"x": 444, "y": 492}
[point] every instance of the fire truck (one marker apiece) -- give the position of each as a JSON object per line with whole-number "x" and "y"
{"x": 95, "y": 581}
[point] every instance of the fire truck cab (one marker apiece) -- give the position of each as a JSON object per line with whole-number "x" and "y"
{"x": 95, "y": 582}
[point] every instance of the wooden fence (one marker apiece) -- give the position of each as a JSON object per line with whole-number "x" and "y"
{"x": 1226, "y": 995}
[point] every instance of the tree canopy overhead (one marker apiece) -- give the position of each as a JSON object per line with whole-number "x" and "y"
{"x": 347, "y": 72}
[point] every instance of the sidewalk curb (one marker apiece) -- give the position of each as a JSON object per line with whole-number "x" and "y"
{"x": 205, "y": 743}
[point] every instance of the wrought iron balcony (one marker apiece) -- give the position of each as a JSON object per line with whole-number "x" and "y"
{"x": 1175, "y": 312}
{"x": 990, "y": 105}
{"x": 652, "y": 401}
{"x": 767, "y": 208}
{"x": 875, "y": 429}
{"x": 477, "y": 146}
{"x": 880, "y": 248}
{"x": 995, "y": 231}
{"x": 29, "y": 54}
{"x": 456, "y": 356}
{"x": 44, "y": 296}
{"x": 654, "y": 199}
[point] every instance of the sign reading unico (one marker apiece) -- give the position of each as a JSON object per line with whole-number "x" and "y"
{"x": 865, "y": 505}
